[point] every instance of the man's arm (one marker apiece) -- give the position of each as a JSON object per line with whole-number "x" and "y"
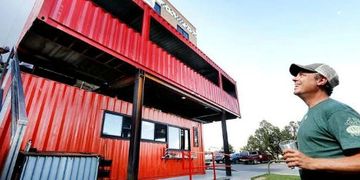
{"x": 343, "y": 164}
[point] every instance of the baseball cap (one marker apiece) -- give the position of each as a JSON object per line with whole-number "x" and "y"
{"x": 328, "y": 72}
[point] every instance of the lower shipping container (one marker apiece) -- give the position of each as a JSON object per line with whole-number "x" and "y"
{"x": 67, "y": 119}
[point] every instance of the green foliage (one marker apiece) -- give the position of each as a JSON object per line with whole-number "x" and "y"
{"x": 267, "y": 138}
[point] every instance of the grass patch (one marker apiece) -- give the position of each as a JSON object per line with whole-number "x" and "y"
{"x": 275, "y": 177}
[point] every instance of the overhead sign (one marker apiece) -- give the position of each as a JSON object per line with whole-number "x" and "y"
{"x": 179, "y": 19}
{"x": 174, "y": 14}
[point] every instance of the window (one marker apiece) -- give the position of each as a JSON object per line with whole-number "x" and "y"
{"x": 178, "y": 138}
{"x": 116, "y": 125}
{"x": 157, "y": 8}
{"x": 183, "y": 32}
{"x": 185, "y": 139}
{"x": 196, "y": 136}
{"x": 147, "y": 130}
{"x": 160, "y": 132}
{"x": 153, "y": 131}
{"x": 174, "y": 138}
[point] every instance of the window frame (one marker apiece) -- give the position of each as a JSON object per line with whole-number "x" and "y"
{"x": 157, "y": 8}
{"x": 166, "y": 133}
{"x": 118, "y": 114}
{"x": 182, "y": 32}
{"x": 142, "y": 131}
{"x": 182, "y": 146}
{"x": 182, "y": 139}
{"x": 196, "y": 142}
{"x": 155, "y": 123}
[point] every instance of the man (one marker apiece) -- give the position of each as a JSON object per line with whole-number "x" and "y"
{"x": 329, "y": 133}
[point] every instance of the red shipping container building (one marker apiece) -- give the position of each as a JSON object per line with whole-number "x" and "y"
{"x": 115, "y": 80}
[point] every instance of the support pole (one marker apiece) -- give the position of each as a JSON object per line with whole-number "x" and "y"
{"x": 145, "y": 31}
{"x": 134, "y": 150}
{"x": 226, "y": 144}
{"x": 135, "y": 137}
{"x": 145, "y": 34}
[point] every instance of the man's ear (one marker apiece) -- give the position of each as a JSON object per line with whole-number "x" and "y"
{"x": 321, "y": 81}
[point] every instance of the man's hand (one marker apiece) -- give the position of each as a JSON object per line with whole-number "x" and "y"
{"x": 295, "y": 158}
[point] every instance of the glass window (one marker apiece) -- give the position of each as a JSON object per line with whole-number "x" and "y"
{"x": 178, "y": 138}
{"x": 116, "y": 125}
{"x": 186, "y": 139}
{"x": 112, "y": 124}
{"x": 196, "y": 137}
{"x": 157, "y": 8}
{"x": 183, "y": 32}
{"x": 120, "y": 126}
{"x": 160, "y": 132}
{"x": 147, "y": 130}
{"x": 126, "y": 128}
{"x": 174, "y": 138}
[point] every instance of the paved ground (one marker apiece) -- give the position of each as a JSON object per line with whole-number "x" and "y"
{"x": 243, "y": 172}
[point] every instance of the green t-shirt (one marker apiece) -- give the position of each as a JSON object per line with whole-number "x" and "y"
{"x": 328, "y": 129}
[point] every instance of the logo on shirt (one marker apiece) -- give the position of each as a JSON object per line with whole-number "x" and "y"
{"x": 305, "y": 117}
{"x": 353, "y": 126}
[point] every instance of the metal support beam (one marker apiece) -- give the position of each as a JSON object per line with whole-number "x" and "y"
{"x": 145, "y": 34}
{"x": 134, "y": 150}
{"x": 226, "y": 143}
{"x": 145, "y": 31}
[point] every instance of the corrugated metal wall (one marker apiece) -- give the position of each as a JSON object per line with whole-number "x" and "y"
{"x": 60, "y": 167}
{"x": 68, "y": 119}
{"x": 85, "y": 20}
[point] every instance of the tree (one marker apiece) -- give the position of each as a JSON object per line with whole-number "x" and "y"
{"x": 290, "y": 131}
{"x": 267, "y": 138}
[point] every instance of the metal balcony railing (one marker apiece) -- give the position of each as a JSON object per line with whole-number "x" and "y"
{"x": 11, "y": 87}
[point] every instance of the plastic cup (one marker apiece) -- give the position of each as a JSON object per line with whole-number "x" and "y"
{"x": 287, "y": 144}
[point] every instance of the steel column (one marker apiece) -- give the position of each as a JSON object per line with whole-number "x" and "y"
{"x": 134, "y": 150}
{"x": 226, "y": 144}
{"x": 145, "y": 31}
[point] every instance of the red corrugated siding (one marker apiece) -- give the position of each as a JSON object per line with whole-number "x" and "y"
{"x": 68, "y": 119}
{"x": 86, "y": 21}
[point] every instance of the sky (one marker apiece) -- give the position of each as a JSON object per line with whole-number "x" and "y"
{"x": 255, "y": 42}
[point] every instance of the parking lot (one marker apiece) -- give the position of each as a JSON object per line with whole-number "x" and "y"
{"x": 243, "y": 171}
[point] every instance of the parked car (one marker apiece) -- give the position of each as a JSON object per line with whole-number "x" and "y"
{"x": 235, "y": 157}
{"x": 208, "y": 159}
{"x": 219, "y": 157}
{"x": 255, "y": 157}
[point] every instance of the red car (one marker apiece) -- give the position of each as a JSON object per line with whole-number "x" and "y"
{"x": 255, "y": 157}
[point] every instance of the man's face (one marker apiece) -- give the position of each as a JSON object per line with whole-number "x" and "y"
{"x": 305, "y": 83}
